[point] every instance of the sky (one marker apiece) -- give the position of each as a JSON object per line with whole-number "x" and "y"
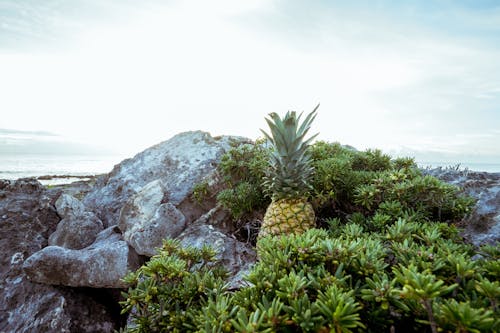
{"x": 418, "y": 78}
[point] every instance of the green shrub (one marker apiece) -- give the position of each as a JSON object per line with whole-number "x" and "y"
{"x": 386, "y": 258}
{"x": 410, "y": 277}
{"x": 243, "y": 169}
{"x": 345, "y": 181}
{"x": 169, "y": 291}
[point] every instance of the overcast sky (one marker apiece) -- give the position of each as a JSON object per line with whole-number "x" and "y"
{"x": 396, "y": 75}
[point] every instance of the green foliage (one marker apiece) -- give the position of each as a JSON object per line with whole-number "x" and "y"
{"x": 387, "y": 258}
{"x": 346, "y": 181}
{"x": 241, "y": 199}
{"x": 372, "y": 160}
{"x": 243, "y": 168}
{"x": 201, "y": 191}
{"x": 168, "y": 292}
{"x": 411, "y": 275}
{"x": 462, "y": 317}
{"x": 339, "y": 309}
{"x": 289, "y": 170}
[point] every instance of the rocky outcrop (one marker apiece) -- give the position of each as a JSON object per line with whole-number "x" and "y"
{"x": 483, "y": 224}
{"x": 27, "y": 218}
{"x": 69, "y": 206}
{"x": 145, "y": 221}
{"x": 76, "y": 232}
{"x": 61, "y": 270}
{"x": 60, "y": 267}
{"x": 100, "y": 265}
{"x": 78, "y": 228}
{"x": 236, "y": 257}
{"x": 179, "y": 163}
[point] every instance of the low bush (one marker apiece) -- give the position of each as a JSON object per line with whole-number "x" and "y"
{"x": 345, "y": 182}
{"x": 413, "y": 276}
{"x": 386, "y": 256}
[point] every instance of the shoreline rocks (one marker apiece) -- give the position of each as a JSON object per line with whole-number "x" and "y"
{"x": 66, "y": 248}
{"x": 179, "y": 163}
{"x": 101, "y": 265}
{"x": 27, "y": 218}
{"x": 68, "y": 244}
{"x": 483, "y": 224}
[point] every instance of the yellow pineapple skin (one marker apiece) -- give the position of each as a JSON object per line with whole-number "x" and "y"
{"x": 287, "y": 216}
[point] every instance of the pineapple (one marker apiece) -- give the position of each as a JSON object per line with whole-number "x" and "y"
{"x": 289, "y": 176}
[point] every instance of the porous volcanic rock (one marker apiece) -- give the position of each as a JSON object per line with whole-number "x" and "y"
{"x": 483, "y": 224}
{"x": 69, "y": 206}
{"x": 27, "y": 218}
{"x": 76, "y": 232}
{"x": 180, "y": 163}
{"x": 100, "y": 265}
{"x": 145, "y": 221}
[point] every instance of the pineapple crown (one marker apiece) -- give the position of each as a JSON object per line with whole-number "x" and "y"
{"x": 290, "y": 170}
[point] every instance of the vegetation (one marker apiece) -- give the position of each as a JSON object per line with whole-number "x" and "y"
{"x": 386, "y": 256}
{"x": 170, "y": 289}
{"x": 347, "y": 184}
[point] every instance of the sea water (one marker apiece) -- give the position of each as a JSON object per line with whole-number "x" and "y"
{"x": 480, "y": 167}
{"x": 35, "y": 165}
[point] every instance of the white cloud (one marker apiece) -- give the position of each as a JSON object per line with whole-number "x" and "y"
{"x": 202, "y": 65}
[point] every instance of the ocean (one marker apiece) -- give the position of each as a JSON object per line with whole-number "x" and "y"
{"x": 36, "y": 165}
{"x": 485, "y": 167}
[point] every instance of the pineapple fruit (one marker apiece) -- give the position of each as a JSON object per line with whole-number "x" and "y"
{"x": 289, "y": 176}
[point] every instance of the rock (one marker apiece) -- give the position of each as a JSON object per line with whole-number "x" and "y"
{"x": 179, "y": 163}
{"x": 27, "y": 219}
{"x": 101, "y": 265}
{"x": 76, "y": 231}
{"x": 78, "y": 228}
{"x": 483, "y": 225}
{"x": 235, "y": 256}
{"x": 68, "y": 206}
{"x": 145, "y": 221}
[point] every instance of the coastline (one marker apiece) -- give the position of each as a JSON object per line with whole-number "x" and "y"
{"x": 53, "y": 180}
{"x": 69, "y": 178}
{"x": 458, "y": 166}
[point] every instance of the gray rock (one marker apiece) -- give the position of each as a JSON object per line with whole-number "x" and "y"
{"x": 180, "y": 163}
{"x": 78, "y": 228}
{"x": 76, "y": 231}
{"x": 101, "y": 265}
{"x": 235, "y": 256}
{"x": 69, "y": 206}
{"x": 27, "y": 220}
{"x": 145, "y": 221}
{"x": 483, "y": 225}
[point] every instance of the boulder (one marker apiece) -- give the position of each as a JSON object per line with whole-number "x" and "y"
{"x": 145, "y": 221}
{"x": 69, "y": 206}
{"x": 237, "y": 257}
{"x": 483, "y": 224}
{"x": 27, "y": 217}
{"x": 78, "y": 228}
{"x": 179, "y": 163}
{"x": 76, "y": 231}
{"x": 101, "y": 265}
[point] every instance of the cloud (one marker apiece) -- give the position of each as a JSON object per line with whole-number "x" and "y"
{"x": 131, "y": 75}
{"x": 19, "y": 142}
{"x": 13, "y": 132}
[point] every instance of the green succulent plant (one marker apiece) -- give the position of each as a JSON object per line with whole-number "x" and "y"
{"x": 387, "y": 257}
{"x": 463, "y": 318}
{"x": 422, "y": 287}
